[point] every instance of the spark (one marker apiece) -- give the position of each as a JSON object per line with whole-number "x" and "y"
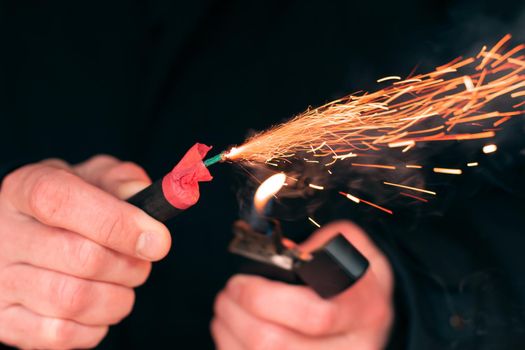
{"x": 349, "y": 196}
{"x": 424, "y": 108}
{"x": 360, "y": 200}
{"x": 409, "y": 146}
{"x": 344, "y": 156}
{"x": 454, "y": 102}
{"x": 491, "y": 148}
{"x": 412, "y": 196}
{"x": 402, "y": 144}
{"x": 392, "y": 77}
{"x": 381, "y": 166}
{"x": 503, "y": 120}
{"x": 377, "y": 206}
{"x": 448, "y": 171}
{"x": 469, "y": 85}
{"x": 409, "y": 187}
{"x": 314, "y": 222}
{"x": 515, "y": 106}
{"x": 494, "y": 50}
{"x": 414, "y": 80}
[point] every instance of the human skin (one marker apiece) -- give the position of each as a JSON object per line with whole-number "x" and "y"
{"x": 71, "y": 251}
{"x": 255, "y": 313}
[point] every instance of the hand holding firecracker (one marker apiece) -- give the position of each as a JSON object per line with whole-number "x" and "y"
{"x": 253, "y": 312}
{"x": 73, "y": 250}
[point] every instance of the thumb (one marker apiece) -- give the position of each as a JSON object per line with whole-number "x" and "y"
{"x": 121, "y": 179}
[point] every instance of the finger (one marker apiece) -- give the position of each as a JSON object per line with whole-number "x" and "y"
{"x": 57, "y": 295}
{"x": 58, "y": 163}
{"x": 122, "y": 179}
{"x": 256, "y": 333}
{"x": 67, "y": 252}
{"x": 58, "y": 198}
{"x": 259, "y": 334}
{"x": 26, "y": 329}
{"x": 378, "y": 262}
{"x": 223, "y": 337}
{"x": 301, "y": 309}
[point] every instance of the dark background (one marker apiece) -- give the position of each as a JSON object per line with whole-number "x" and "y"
{"x": 144, "y": 80}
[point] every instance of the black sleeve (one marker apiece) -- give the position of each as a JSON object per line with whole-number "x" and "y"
{"x": 458, "y": 276}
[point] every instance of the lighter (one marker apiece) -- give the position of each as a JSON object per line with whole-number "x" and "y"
{"x": 329, "y": 270}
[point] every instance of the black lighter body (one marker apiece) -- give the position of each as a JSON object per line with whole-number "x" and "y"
{"x": 329, "y": 270}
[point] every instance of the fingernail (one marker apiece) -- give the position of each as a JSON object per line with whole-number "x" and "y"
{"x": 150, "y": 246}
{"x": 130, "y": 188}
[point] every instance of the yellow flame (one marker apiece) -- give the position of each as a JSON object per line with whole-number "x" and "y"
{"x": 267, "y": 189}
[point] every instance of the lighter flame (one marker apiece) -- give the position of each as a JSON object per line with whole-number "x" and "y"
{"x": 267, "y": 189}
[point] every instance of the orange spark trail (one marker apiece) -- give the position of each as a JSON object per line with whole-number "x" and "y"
{"x": 314, "y": 222}
{"x": 361, "y": 200}
{"x": 381, "y": 166}
{"x": 412, "y": 196}
{"x": 421, "y": 108}
{"x": 409, "y": 187}
{"x": 448, "y": 171}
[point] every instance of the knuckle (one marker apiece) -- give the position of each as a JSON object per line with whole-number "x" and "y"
{"x": 110, "y": 228}
{"x": 88, "y": 259}
{"x": 49, "y": 195}
{"x": 127, "y": 168}
{"x": 12, "y": 181}
{"x": 250, "y": 296}
{"x": 72, "y": 296}
{"x": 268, "y": 338}
{"x": 102, "y": 158}
{"x": 55, "y": 162}
{"x": 58, "y": 333}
